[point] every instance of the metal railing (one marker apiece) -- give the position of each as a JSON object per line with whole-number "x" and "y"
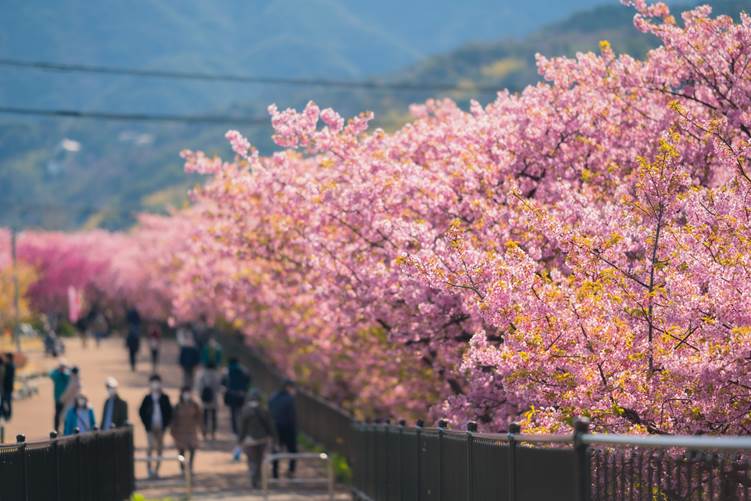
{"x": 88, "y": 467}
{"x": 328, "y": 480}
{"x": 397, "y": 462}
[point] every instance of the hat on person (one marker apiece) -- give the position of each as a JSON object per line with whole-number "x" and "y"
{"x": 110, "y": 382}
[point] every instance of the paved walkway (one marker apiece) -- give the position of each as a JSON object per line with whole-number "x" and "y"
{"x": 216, "y": 477}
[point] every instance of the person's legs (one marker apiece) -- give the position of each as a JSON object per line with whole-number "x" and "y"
{"x": 159, "y": 436}
{"x": 255, "y": 462}
{"x": 205, "y": 422}
{"x": 192, "y": 453}
{"x": 288, "y": 440}
{"x": 187, "y": 376}
{"x": 150, "y": 444}
{"x": 8, "y": 405}
{"x": 58, "y": 412}
{"x": 291, "y": 445}
{"x": 234, "y": 411}
{"x": 213, "y": 422}
{"x": 132, "y": 354}
{"x": 181, "y": 452}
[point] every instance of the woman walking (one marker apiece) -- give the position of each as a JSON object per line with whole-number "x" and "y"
{"x": 186, "y": 421}
{"x": 209, "y": 386}
{"x": 80, "y": 417}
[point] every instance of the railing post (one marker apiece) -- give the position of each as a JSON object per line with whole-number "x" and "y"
{"x": 513, "y": 429}
{"x": 442, "y": 425}
{"x": 583, "y": 473}
{"x": 21, "y": 441}
{"x": 402, "y": 423}
{"x": 471, "y": 429}
{"x": 418, "y": 431}
{"x": 56, "y": 456}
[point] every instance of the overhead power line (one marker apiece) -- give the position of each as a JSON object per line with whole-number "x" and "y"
{"x": 134, "y": 117}
{"x": 218, "y": 77}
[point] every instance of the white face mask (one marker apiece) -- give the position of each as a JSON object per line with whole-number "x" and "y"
{"x": 111, "y": 392}
{"x": 155, "y": 387}
{"x": 186, "y": 396}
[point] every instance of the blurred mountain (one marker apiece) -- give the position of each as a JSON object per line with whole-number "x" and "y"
{"x": 291, "y": 38}
{"x": 65, "y": 173}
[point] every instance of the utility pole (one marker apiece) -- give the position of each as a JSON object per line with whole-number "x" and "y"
{"x": 16, "y": 291}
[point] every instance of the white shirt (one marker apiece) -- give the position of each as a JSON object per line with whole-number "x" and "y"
{"x": 156, "y": 416}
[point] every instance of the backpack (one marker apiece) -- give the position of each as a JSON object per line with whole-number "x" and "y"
{"x": 207, "y": 395}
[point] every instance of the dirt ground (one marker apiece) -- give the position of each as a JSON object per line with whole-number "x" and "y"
{"x": 216, "y": 475}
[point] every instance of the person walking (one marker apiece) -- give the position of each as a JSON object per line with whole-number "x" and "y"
{"x": 100, "y": 328}
{"x": 209, "y": 385}
{"x": 236, "y": 380}
{"x": 155, "y": 342}
{"x": 256, "y": 433}
{"x": 9, "y": 381}
{"x": 186, "y": 421}
{"x": 282, "y": 407}
{"x": 115, "y": 410}
{"x": 72, "y": 391}
{"x": 211, "y": 353}
{"x": 80, "y": 417}
{"x": 156, "y": 414}
{"x": 60, "y": 378}
{"x": 133, "y": 339}
{"x": 189, "y": 355}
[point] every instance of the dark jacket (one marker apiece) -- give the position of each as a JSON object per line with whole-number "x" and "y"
{"x": 189, "y": 357}
{"x": 237, "y": 382}
{"x": 133, "y": 340}
{"x": 146, "y": 411}
{"x": 256, "y": 424}
{"x": 9, "y": 377}
{"x": 119, "y": 412}
{"x": 282, "y": 407}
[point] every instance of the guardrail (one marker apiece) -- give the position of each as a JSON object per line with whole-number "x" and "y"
{"x": 397, "y": 462}
{"x": 88, "y": 467}
{"x": 328, "y": 480}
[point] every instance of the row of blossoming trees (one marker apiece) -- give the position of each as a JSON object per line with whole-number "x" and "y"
{"x": 583, "y": 247}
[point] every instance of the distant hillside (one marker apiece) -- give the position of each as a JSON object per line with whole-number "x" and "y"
{"x": 124, "y": 168}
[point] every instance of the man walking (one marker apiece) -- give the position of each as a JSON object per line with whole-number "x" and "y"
{"x": 189, "y": 356}
{"x": 60, "y": 378}
{"x": 256, "y": 433}
{"x": 282, "y": 407}
{"x": 236, "y": 381}
{"x": 211, "y": 353}
{"x": 133, "y": 339}
{"x": 9, "y": 380}
{"x": 156, "y": 415}
{"x": 115, "y": 410}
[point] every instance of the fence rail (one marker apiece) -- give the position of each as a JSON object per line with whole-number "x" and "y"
{"x": 399, "y": 463}
{"x": 88, "y": 467}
